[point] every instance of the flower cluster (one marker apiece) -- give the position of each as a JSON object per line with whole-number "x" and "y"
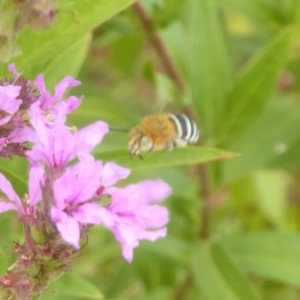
{"x": 66, "y": 185}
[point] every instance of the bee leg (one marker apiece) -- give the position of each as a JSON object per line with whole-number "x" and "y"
{"x": 140, "y": 156}
{"x": 169, "y": 146}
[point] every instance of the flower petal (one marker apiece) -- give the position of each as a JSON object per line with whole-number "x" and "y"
{"x": 45, "y": 99}
{"x": 67, "y": 226}
{"x": 36, "y": 179}
{"x": 7, "y": 189}
{"x": 22, "y": 135}
{"x": 12, "y": 68}
{"x": 79, "y": 183}
{"x": 4, "y": 207}
{"x": 92, "y": 213}
{"x": 126, "y": 236}
{"x": 154, "y": 190}
{"x": 126, "y": 199}
{"x": 152, "y": 235}
{"x": 10, "y": 91}
{"x": 112, "y": 173}
{"x": 62, "y": 189}
{"x": 73, "y": 103}
{"x": 90, "y": 136}
{"x": 62, "y": 87}
{"x": 152, "y": 216}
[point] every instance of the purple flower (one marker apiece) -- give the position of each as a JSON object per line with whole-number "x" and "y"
{"x": 65, "y": 197}
{"x": 73, "y": 192}
{"x": 135, "y": 217}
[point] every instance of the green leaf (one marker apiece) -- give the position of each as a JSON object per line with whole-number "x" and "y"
{"x": 180, "y": 156}
{"x": 18, "y": 182}
{"x": 210, "y": 65}
{"x": 41, "y": 52}
{"x": 231, "y": 272}
{"x": 271, "y": 196}
{"x": 250, "y": 95}
{"x": 217, "y": 276}
{"x": 266, "y": 141}
{"x": 270, "y": 255}
{"x": 75, "y": 286}
{"x": 103, "y": 108}
{"x": 267, "y": 15}
{"x": 289, "y": 159}
{"x": 71, "y": 58}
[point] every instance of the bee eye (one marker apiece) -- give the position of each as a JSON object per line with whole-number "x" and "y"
{"x": 145, "y": 144}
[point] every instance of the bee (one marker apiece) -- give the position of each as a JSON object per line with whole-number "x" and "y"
{"x": 162, "y": 132}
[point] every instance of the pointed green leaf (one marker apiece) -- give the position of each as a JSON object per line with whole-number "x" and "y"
{"x": 178, "y": 157}
{"x": 210, "y": 65}
{"x": 217, "y": 276}
{"x": 267, "y": 15}
{"x": 75, "y": 286}
{"x": 232, "y": 273}
{"x": 19, "y": 183}
{"x": 43, "y": 48}
{"x": 266, "y": 141}
{"x": 250, "y": 95}
{"x": 270, "y": 188}
{"x": 270, "y": 255}
{"x": 71, "y": 58}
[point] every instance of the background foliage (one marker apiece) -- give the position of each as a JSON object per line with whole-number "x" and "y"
{"x": 234, "y": 229}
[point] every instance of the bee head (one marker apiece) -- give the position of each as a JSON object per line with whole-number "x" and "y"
{"x": 138, "y": 141}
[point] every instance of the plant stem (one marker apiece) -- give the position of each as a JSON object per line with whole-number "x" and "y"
{"x": 203, "y": 170}
{"x": 159, "y": 47}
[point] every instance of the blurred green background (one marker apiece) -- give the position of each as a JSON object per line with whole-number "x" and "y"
{"x": 234, "y": 228}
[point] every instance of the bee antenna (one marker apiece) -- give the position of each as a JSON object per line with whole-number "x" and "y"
{"x": 118, "y": 130}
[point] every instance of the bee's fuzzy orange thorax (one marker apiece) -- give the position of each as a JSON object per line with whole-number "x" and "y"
{"x": 159, "y": 128}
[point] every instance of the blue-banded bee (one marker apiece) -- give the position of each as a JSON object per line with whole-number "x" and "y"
{"x": 162, "y": 132}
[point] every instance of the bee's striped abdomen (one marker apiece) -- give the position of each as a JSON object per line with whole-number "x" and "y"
{"x": 187, "y": 129}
